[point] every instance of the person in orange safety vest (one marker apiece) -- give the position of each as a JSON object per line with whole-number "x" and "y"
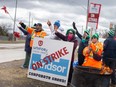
{"x": 37, "y": 32}
{"x": 93, "y": 53}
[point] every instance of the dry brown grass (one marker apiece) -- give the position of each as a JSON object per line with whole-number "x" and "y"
{"x": 11, "y": 75}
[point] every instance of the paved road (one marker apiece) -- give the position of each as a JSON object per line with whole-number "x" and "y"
{"x": 10, "y": 52}
{"x": 9, "y": 46}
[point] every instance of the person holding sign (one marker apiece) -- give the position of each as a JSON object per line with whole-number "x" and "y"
{"x": 84, "y": 42}
{"x": 38, "y": 32}
{"x": 93, "y": 53}
{"x": 70, "y": 37}
{"x": 57, "y": 27}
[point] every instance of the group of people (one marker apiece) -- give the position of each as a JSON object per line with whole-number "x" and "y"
{"x": 91, "y": 52}
{"x": 95, "y": 54}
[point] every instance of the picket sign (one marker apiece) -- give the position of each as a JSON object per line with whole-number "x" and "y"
{"x": 50, "y": 61}
{"x": 93, "y": 15}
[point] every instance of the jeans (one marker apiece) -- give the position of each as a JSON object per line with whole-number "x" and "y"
{"x": 80, "y": 59}
{"x": 112, "y": 64}
{"x": 27, "y": 59}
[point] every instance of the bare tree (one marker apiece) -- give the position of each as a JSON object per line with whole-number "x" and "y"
{"x": 3, "y": 32}
{"x": 4, "y": 28}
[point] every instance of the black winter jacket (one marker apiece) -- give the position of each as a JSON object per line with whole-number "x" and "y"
{"x": 82, "y": 45}
{"x": 109, "y": 48}
{"x": 27, "y": 42}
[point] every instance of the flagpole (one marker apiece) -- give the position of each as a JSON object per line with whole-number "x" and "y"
{"x": 4, "y": 8}
{"x": 87, "y": 14}
{"x": 14, "y": 19}
{"x": 32, "y": 22}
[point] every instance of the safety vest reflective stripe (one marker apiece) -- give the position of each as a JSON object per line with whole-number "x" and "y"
{"x": 32, "y": 35}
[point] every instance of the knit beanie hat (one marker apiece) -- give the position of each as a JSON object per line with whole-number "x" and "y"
{"x": 57, "y": 23}
{"x": 111, "y": 33}
{"x": 95, "y": 36}
{"x": 87, "y": 31}
{"x": 70, "y": 30}
{"x": 38, "y": 24}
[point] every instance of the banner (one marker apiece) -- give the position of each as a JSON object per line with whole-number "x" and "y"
{"x": 93, "y": 15}
{"x": 50, "y": 61}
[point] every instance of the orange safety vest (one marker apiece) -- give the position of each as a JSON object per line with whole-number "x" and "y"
{"x": 33, "y": 33}
{"x": 89, "y": 60}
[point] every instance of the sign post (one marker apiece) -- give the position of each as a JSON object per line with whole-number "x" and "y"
{"x": 50, "y": 61}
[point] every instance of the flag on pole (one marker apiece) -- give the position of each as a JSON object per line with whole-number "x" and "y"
{"x": 5, "y": 10}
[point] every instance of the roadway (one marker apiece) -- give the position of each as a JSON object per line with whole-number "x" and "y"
{"x": 10, "y": 52}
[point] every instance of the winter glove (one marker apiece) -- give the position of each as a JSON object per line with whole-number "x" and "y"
{"x": 20, "y": 22}
{"x": 49, "y": 23}
{"x": 74, "y": 26}
{"x": 97, "y": 57}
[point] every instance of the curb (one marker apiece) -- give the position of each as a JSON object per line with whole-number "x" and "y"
{"x": 11, "y": 47}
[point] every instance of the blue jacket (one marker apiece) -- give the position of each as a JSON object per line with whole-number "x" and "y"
{"x": 27, "y": 42}
{"x": 110, "y": 48}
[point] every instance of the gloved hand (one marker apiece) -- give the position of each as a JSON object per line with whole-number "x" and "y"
{"x": 92, "y": 46}
{"x": 49, "y": 23}
{"x": 73, "y": 24}
{"x": 19, "y": 27}
{"x": 20, "y": 22}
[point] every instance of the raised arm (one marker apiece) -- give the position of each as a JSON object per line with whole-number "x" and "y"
{"x": 61, "y": 36}
{"x": 23, "y": 30}
{"x": 22, "y": 25}
{"x": 29, "y": 29}
{"x": 50, "y": 26}
{"x": 77, "y": 33}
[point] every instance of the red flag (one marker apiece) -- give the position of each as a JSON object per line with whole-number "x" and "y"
{"x": 17, "y": 34}
{"x": 4, "y": 8}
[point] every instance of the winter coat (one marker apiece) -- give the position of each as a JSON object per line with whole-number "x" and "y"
{"x": 90, "y": 60}
{"x": 28, "y": 39}
{"x": 82, "y": 44}
{"x": 64, "y": 38}
{"x": 33, "y": 33}
{"x": 53, "y": 36}
{"x": 109, "y": 48}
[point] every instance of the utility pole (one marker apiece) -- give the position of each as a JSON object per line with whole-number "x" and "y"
{"x": 115, "y": 29}
{"x": 87, "y": 14}
{"x": 32, "y": 22}
{"x": 14, "y": 20}
{"x": 29, "y": 18}
{"x": 82, "y": 29}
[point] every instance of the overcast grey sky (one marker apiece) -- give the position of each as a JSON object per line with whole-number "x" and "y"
{"x": 66, "y": 11}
